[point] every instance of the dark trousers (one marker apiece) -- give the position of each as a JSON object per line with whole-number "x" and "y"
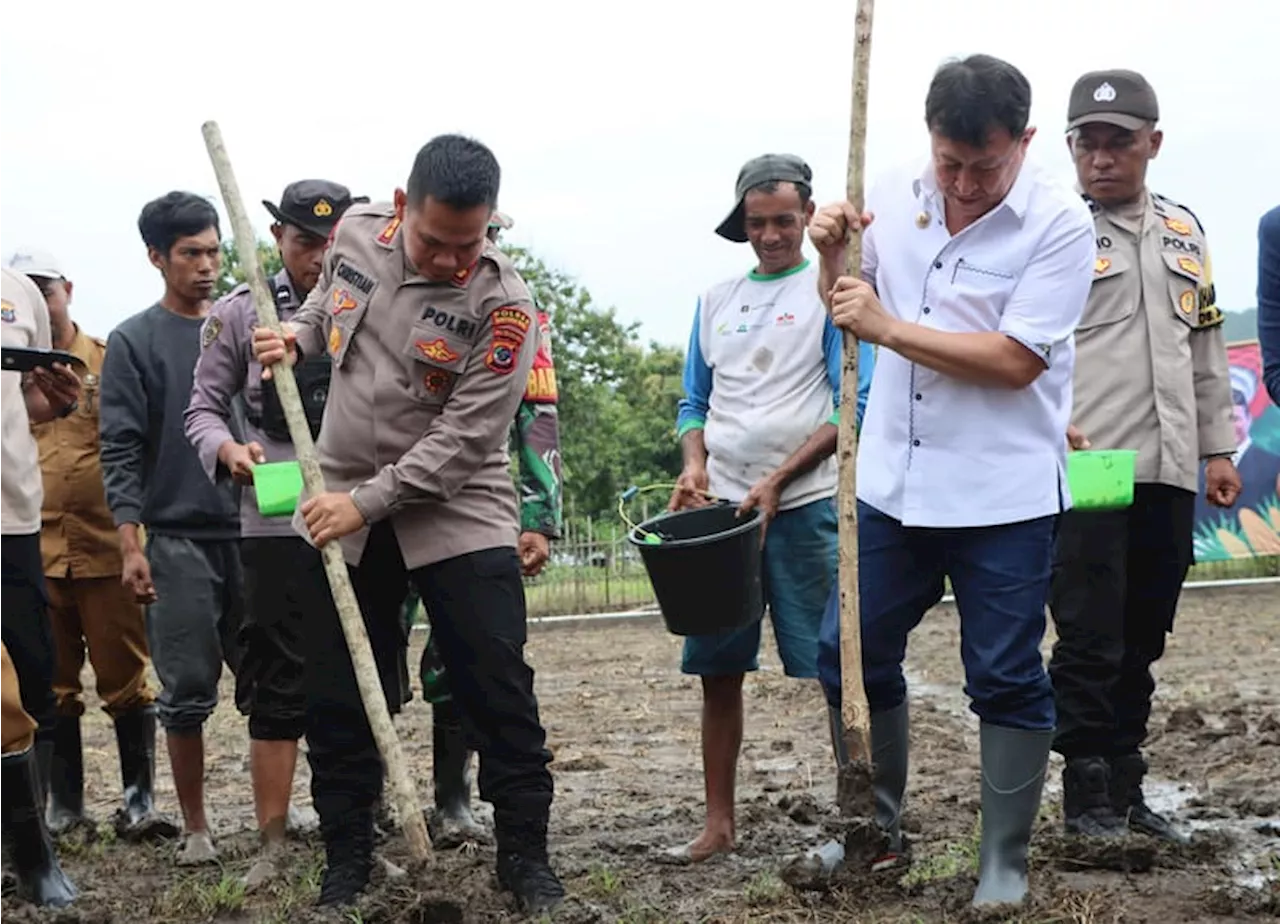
{"x": 1117, "y": 576}
{"x": 477, "y": 609}
{"x": 25, "y": 625}
{"x": 1000, "y": 575}
{"x": 282, "y": 596}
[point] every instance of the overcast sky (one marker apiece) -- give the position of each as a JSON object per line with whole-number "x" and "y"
{"x": 620, "y": 128}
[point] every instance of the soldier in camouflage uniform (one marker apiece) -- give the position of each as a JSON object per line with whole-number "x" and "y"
{"x": 535, "y": 442}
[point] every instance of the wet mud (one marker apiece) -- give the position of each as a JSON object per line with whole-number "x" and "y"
{"x": 623, "y": 725}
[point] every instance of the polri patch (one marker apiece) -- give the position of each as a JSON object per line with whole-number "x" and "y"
{"x": 212, "y": 328}
{"x": 436, "y": 381}
{"x": 342, "y": 301}
{"x": 437, "y": 351}
{"x": 501, "y": 358}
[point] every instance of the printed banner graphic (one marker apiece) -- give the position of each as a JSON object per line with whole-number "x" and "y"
{"x": 1252, "y": 527}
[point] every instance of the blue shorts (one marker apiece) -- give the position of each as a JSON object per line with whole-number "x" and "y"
{"x": 1000, "y": 575}
{"x": 799, "y": 572}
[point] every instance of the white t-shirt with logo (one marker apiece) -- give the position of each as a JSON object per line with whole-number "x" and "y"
{"x": 762, "y": 374}
{"x": 24, "y": 322}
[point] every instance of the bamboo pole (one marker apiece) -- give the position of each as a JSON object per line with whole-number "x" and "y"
{"x": 854, "y": 713}
{"x": 366, "y": 669}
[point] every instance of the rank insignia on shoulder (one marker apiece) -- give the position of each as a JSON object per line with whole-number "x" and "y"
{"x": 1101, "y": 265}
{"x": 388, "y": 234}
{"x": 1187, "y": 301}
{"x": 1189, "y": 265}
{"x": 212, "y": 328}
{"x": 1177, "y": 226}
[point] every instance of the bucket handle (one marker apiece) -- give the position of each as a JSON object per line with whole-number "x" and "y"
{"x": 631, "y": 492}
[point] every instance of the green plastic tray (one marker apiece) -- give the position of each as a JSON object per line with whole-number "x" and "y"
{"x": 1101, "y": 479}
{"x": 278, "y": 485}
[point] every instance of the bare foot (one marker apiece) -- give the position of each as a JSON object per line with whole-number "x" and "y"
{"x": 708, "y": 844}
{"x": 197, "y": 849}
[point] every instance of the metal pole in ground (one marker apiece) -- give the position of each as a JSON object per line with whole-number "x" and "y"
{"x": 366, "y": 669}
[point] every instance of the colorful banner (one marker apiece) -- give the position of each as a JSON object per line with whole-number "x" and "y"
{"x": 1252, "y": 527}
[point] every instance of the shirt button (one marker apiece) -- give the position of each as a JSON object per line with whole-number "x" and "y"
{"x": 915, "y": 442}
{"x": 919, "y": 397}
{"x": 937, "y": 264}
{"x": 927, "y": 309}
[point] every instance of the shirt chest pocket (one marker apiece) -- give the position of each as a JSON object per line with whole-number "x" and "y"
{"x": 347, "y": 308}
{"x": 985, "y": 283}
{"x": 1109, "y": 302}
{"x": 1187, "y": 286}
{"x": 436, "y": 361}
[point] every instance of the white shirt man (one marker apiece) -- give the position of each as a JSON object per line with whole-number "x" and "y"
{"x": 975, "y": 273}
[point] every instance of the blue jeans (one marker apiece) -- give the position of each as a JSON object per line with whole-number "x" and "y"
{"x": 799, "y": 573}
{"x": 1000, "y": 575}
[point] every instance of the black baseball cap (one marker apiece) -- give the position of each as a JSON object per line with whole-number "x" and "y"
{"x": 767, "y": 168}
{"x": 1117, "y": 97}
{"x": 313, "y": 205}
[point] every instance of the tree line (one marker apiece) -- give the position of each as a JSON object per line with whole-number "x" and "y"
{"x": 618, "y": 394}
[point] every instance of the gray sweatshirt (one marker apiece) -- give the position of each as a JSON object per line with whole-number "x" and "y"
{"x": 151, "y": 473}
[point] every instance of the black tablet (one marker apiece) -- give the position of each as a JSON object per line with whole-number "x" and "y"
{"x": 22, "y": 359}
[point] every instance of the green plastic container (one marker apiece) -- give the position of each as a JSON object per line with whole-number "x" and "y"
{"x": 1101, "y": 479}
{"x": 278, "y": 485}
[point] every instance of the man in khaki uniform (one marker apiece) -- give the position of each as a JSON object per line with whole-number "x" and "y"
{"x": 25, "y": 651}
{"x": 88, "y": 605}
{"x": 1151, "y": 376}
{"x": 432, "y": 335}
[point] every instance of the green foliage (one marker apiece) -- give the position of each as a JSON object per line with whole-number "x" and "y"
{"x": 233, "y": 273}
{"x": 618, "y": 397}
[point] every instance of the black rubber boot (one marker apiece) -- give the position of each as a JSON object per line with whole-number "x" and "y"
{"x": 523, "y": 866}
{"x": 1086, "y": 799}
{"x": 43, "y": 748}
{"x": 1013, "y": 766}
{"x": 348, "y": 851}
{"x": 451, "y": 824}
{"x": 35, "y": 862}
{"x": 1127, "y": 801}
{"x": 137, "y": 819}
{"x": 66, "y": 777}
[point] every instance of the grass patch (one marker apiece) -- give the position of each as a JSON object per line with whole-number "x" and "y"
{"x": 603, "y": 882}
{"x": 765, "y": 889}
{"x": 202, "y": 896}
{"x": 958, "y": 857}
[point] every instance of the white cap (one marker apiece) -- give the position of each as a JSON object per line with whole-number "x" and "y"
{"x": 36, "y": 263}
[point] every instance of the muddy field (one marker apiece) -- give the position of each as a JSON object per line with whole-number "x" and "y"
{"x": 623, "y": 724}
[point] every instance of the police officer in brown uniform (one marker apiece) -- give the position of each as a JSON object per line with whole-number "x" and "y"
{"x": 88, "y": 605}
{"x": 1151, "y": 376}
{"x": 432, "y": 335}
{"x": 26, "y": 398}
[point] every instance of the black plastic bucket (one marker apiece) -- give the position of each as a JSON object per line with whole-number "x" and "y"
{"x": 706, "y": 569}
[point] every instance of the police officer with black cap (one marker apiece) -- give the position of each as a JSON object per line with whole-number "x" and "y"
{"x": 1151, "y": 375}
{"x": 283, "y": 575}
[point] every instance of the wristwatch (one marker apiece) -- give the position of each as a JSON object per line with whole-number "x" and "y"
{"x": 69, "y": 409}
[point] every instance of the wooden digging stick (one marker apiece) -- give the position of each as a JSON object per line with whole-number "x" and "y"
{"x": 366, "y": 669}
{"x": 854, "y": 713}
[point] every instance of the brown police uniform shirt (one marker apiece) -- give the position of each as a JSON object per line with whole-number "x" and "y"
{"x": 1151, "y": 360}
{"x": 77, "y": 535}
{"x": 427, "y": 378}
